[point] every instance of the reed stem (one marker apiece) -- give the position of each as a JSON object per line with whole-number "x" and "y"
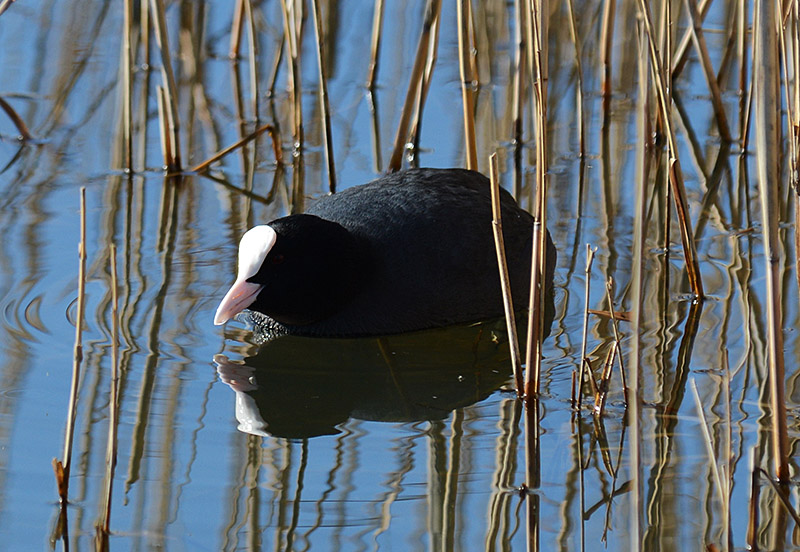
{"x": 62, "y": 468}
{"x": 323, "y": 98}
{"x": 467, "y": 79}
{"x": 505, "y": 283}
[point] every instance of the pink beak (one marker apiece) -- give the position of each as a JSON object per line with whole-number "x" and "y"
{"x": 239, "y": 297}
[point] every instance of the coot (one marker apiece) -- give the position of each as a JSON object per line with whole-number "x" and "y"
{"x": 408, "y": 251}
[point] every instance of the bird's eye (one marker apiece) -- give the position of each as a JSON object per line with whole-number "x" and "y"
{"x": 277, "y": 259}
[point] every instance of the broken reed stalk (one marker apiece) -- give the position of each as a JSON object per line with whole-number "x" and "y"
{"x": 585, "y": 365}
{"x": 276, "y": 149}
{"x": 172, "y": 158}
{"x": 431, "y": 14}
{"x": 62, "y": 468}
{"x": 711, "y": 77}
{"x": 375, "y": 45}
{"x": 292, "y": 33}
{"x": 505, "y": 284}
{"x": 16, "y": 119}
{"x": 127, "y": 85}
{"x": 768, "y": 147}
{"x": 617, "y": 338}
{"x": 675, "y": 174}
{"x": 467, "y": 80}
{"x": 537, "y": 53}
{"x": 113, "y": 414}
{"x": 323, "y": 98}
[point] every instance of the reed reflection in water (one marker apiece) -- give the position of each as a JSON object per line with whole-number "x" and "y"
{"x": 424, "y": 477}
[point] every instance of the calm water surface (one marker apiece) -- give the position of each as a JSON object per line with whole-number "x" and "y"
{"x": 400, "y": 443}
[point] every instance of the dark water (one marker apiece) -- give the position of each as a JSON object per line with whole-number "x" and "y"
{"x": 406, "y": 442}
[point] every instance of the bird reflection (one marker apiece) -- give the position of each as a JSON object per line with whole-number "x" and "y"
{"x": 298, "y": 387}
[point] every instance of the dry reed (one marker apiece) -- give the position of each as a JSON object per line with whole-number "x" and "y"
{"x": 505, "y": 284}
{"x": 323, "y": 98}
{"x": 276, "y": 149}
{"x": 467, "y": 80}
{"x": 62, "y": 468}
{"x": 432, "y": 10}
{"x": 169, "y": 92}
{"x": 422, "y": 93}
{"x": 375, "y": 45}
{"x": 292, "y": 30}
{"x": 537, "y": 54}
{"x": 675, "y": 173}
{"x": 585, "y": 364}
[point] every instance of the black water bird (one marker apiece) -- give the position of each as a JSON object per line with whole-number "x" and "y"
{"x": 408, "y": 251}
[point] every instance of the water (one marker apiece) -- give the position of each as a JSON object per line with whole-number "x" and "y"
{"x": 401, "y": 443}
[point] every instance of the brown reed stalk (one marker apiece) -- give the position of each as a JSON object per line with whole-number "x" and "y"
{"x": 766, "y": 78}
{"x": 113, "y": 415}
{"x": 617, "y": 338}
{"x": 236, "y": 29}
{"x": 415, "y": 135}
{"x": 585, "y": 365}
{"x": 255, "y": 134}
{"x": 323, "y": 98}
{"x": 431, "y": 14}
{"x": 170, "y": 89}
{"x": 127, "y": 85}
{"x": 711, "y": 77}
{"x": 292, "y": 31}
{"x": 605, "y": 378}
{"x": 62, "y": 468}
{"x": 537, "y": 53}
{"x": 505, "y": 283}
{"x": 16, "y": 119}
{"x": 375, "y": 45}
{"x": 675, "y": 173}
{"x": 164, "y": 135}
{"x": 467, "y": 84}
{"x": 607, "y": 45}
{"x": 518, "y": 88}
